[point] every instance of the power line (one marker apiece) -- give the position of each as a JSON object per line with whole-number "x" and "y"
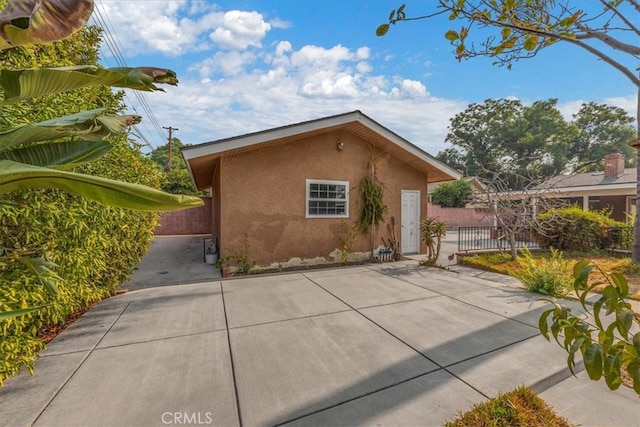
{"x": 115, "y": 47}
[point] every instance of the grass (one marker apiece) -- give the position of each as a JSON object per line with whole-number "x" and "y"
{"x": 502, "y": 263}
{"x": 520, "y": 407}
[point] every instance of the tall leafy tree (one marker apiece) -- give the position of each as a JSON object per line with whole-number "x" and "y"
{"x": 525, "y": 143}
{"x": 177, "y": 180}
{"x": 525, "y": 27}
{"x": 601, "y": 129}
{"x": 532, "y": 143}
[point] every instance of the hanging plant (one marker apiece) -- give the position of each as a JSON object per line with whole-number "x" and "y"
{"x": 373, "y": 209}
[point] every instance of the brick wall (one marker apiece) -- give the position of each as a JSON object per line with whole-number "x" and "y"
{"x": 188, "y": 221}
{"x": 460, "y": 217}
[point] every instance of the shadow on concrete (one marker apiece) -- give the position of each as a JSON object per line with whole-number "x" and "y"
{"x": 526, "y": 359}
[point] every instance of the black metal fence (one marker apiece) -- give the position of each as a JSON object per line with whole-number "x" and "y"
{"x": 617, "y": 239}
{"x": 491, "y": 238}
{"x": 494, "y": 238}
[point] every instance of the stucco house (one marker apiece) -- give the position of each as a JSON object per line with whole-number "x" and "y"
{"x": 288, "y": 192}
{"x": 613, "y": 188}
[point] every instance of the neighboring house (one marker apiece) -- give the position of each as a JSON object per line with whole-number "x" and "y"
{"x": 614, "y": 188}
{"x": 288, "y": 191}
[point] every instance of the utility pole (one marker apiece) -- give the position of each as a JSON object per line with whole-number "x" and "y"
{"x": 170, "y": 144}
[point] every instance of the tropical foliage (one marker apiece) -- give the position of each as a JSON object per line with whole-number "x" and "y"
{"x": 92, "y": 248}
{"x": 432, "y": 231}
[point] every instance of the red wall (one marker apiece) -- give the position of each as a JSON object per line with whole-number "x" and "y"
{"x": 188, "y": 221}
{"x": 461, "y": 217}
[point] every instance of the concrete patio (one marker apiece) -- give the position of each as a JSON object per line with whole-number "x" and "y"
{"x": 387, "y": 344}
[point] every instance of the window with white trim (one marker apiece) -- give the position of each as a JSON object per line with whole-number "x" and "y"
{"x": 327, "y": 199}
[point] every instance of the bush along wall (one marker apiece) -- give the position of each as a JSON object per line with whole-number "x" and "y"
{"x": 95, "y": 247}
{"x": 572, "y": 228}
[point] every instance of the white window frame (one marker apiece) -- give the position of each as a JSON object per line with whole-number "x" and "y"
{"x": 328, "y": 182}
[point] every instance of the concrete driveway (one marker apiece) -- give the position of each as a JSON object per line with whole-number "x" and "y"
{"x": 391, "y": 344}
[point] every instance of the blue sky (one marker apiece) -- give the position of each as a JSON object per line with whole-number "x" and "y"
{"x": 246, "y": 66}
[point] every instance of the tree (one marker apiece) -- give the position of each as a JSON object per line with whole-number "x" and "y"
{"x": 528, "y": 143}
{"x": 178, "y": 180}
{"x": 524, "y": 27}
{"x": 160, "y": 155}
{"x": 602, "y": 129}
{"x": 534, "y": 143}
{"x": 454, "y": 194}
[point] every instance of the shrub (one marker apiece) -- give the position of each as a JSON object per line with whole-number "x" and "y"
{"x": 549, "y": 276}
{"x": 454, "y": 194}
{"x": 574, "y": 229}
{"x": 520, "y": 407}
{"x": 96, "y": 248}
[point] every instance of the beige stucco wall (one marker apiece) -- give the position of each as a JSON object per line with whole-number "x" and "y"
{"x": 263, "y": 194}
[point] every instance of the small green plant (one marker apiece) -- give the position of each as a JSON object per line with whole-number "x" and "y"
{"x": 433, "y": 230}
{"x": 604, "y": 339}
{"x": 549, "y": 276}
{"x": 520, "y": 407}
{"x": 241, "y": 258}
{"x": 348, "y": 235}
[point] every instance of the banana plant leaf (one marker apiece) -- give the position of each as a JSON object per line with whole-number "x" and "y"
{"x": 58, "y": 155}
{"x": 41, "y": 268}
{"x": 26, "y": 22}
{"x": 35, "y": 82}
{"x": 86, "y": 125}
{"x": 17, "y": 313}
{"x": 16, "y": 176}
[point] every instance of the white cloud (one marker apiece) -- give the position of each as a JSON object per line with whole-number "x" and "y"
{"x": 240, "y": 29}
{"x": 168, "y": 27}
{"x": 629, "y": 103}
{"x": 225, "y": 63}
{"x": 241, "y": 86}
{"x": 178, "y": 27}
{"x": 240, "y": 93}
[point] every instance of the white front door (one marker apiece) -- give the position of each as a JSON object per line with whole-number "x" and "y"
{"x": 410, "y": 221}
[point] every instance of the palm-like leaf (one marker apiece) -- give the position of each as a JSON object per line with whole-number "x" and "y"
{"x": 34, "y": 82}
{"x": 58, "y": 155}
{"x": 86, "y": 125}
{"x": 16, "y": 176}
{"x": 25, "y": 22}
{"x": 4, "y": 315}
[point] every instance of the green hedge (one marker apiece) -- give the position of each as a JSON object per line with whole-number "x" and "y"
{"x": 572, "y": 228}
{"x": 96, "y": 248}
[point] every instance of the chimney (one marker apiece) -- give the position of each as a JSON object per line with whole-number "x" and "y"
{"x": 613, "y": 165}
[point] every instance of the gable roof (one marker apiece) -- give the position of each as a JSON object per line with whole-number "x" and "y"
{"x": 591, "y": 181}
{"x": 202, "y": 158}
